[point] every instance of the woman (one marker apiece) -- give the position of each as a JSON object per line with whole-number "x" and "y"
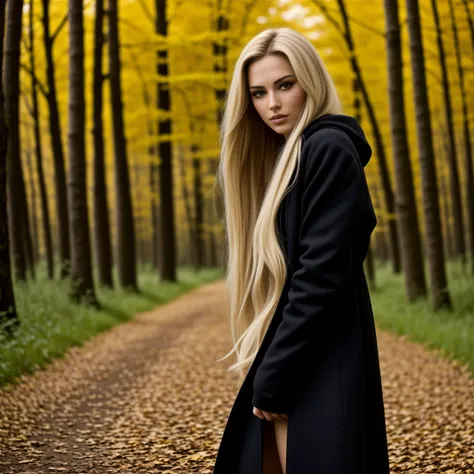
{"x": 291, "y": 168}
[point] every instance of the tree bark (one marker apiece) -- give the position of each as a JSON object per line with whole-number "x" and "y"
{"x": 103, "y": 251}
{"x": 81, "y": 267}
{"x": 126, "y": 240}
{"x": 62, "y": 213}
{"x": 434, "y": 242}
{"x": 389, "y": 198}
{"x": 199, "y": 211}
{"x": 48, "y": 243}
{"x": 456, "y": 202}
{"x": 16, "y": 199}
{"x": 407, "y": 220}
{"x": 9, "y": 321}
{"x": 167, "y": 246}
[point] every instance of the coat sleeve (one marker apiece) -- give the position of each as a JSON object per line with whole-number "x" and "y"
{"x": 333, "y": 183}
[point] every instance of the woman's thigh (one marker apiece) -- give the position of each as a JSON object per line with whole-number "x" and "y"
{"x": 281, "y": 433}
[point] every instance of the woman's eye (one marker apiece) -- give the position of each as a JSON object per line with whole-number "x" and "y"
{"x": 289, "y": 84}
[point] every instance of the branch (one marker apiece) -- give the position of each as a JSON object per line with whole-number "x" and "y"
{"x": 329, "y": 17}
{"x": 58, "y": 29}
{"x": 37, "y": 82}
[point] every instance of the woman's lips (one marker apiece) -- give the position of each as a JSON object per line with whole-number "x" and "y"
{"x": 279, "y": 120}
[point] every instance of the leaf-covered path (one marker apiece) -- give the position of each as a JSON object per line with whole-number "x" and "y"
{"x": 148, "y": 396}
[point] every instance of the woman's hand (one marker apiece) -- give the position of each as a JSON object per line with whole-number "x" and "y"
{"x": 266, "y": 415}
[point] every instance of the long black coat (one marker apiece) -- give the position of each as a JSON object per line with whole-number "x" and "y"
{"x": 318, "y": 361}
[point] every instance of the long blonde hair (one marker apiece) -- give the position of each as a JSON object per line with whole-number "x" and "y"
{"x": 255, "y": 168}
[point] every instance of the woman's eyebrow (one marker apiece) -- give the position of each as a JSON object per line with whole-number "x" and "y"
{"x": 278, "y": 80}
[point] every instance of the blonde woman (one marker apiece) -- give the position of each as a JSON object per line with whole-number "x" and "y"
{"x": 298, "y": 218}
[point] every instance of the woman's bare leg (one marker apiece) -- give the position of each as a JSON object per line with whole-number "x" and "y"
{"x": 281, "y": 433}
{"x": 271, "y": 461}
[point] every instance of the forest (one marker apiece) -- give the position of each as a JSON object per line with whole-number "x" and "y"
{"x": 110, "y": 113}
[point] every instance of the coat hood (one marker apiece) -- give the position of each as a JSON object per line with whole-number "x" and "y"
{"x": 346, "y": 124}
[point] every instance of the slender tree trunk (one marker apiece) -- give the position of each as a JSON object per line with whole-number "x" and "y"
{"x": 211, "y": 219}
{"x": 444, "y": 213}
{"x": 220, "y": 51}
{"x": 389, "y": 198}
{"x": 468, "y": 165}
{"x": 167, "y": 220}
{"x": 439, "y": 288}
{"x": 14, "y": 172}
{"x": 62, "y": 213}
{"x": 407, "y": 220}
{"x": 198, "y": 205}
{"x": 369, "y": 260}
{"x": 81, "y": 267}
{"x": 446, "y": 202}
{"x": 48, "y": 243}
{"x": 126, "y": 240}
{"x": 186, "y": 202}
{"x": 9, "y": 321}
{"x": 154, "y": 201}
{"x": 460, "y": 246}
{"x": 103, "y": 251}
{"x": 31, "y": 200}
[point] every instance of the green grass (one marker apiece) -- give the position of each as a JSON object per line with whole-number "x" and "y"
{"x": 450, "y": 333}
{"x": 50, "y": 323}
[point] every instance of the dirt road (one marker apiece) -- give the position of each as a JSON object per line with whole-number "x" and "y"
{"x": 148, "y": 396}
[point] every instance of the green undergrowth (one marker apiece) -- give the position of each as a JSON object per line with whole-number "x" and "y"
{"x": 50, "y": 322}
{"x": 450, "y": 333}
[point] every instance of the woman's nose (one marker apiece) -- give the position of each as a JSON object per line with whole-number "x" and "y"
{"x": 274, "y": 102}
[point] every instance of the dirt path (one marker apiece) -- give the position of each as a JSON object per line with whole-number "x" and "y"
{"x": 148, "y": 396}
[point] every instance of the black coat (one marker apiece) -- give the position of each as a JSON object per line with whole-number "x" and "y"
{"x": 318, "y": 361}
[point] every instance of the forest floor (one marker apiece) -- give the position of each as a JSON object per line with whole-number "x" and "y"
{"x": 149, "y": 396}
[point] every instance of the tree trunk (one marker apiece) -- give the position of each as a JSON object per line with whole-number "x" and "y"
{"x": 81, "y": 267}
{"x": 187, "y": 205}
{"x": 15, "y": 181}
{"x": 407, "y": 220}
{"x": 126, "y": 240}
{"x": 379, "y": 145}
{"x": 167, "y": 238}
{"x": 62, "y": 213}
{"x": 220, "y": 51}
{"x": 8, "y": 316}
{"x": 48, "y": 243}
{"x": 445, "y": 202}
{"x": 468, "y": 165}
{"x": 198, "y": 205}
{"x": 456, "y": 202}
{"x": 103, "y": 251}
{"x": 434, "y": 242}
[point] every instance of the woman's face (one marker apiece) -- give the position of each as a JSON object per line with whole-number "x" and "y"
{"x": 275, "y": 91}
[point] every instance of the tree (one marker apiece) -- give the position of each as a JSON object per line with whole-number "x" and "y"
{"x": 81, "y": 267}
{"x": 62, "y": 213}
{"x": 8, "y": 316}
{"x": 434, "y": 241}
{"x": 126, "y": 241}
{"x": 407, "y": 220}
{"x": 103, "y": 252}
{"x": 456, "y": 203}
{"x": 39, "y": 152}
{"x": 167, "y": 254}
{"x": 388, "y": 195}
{"x": 16, "y": 202}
